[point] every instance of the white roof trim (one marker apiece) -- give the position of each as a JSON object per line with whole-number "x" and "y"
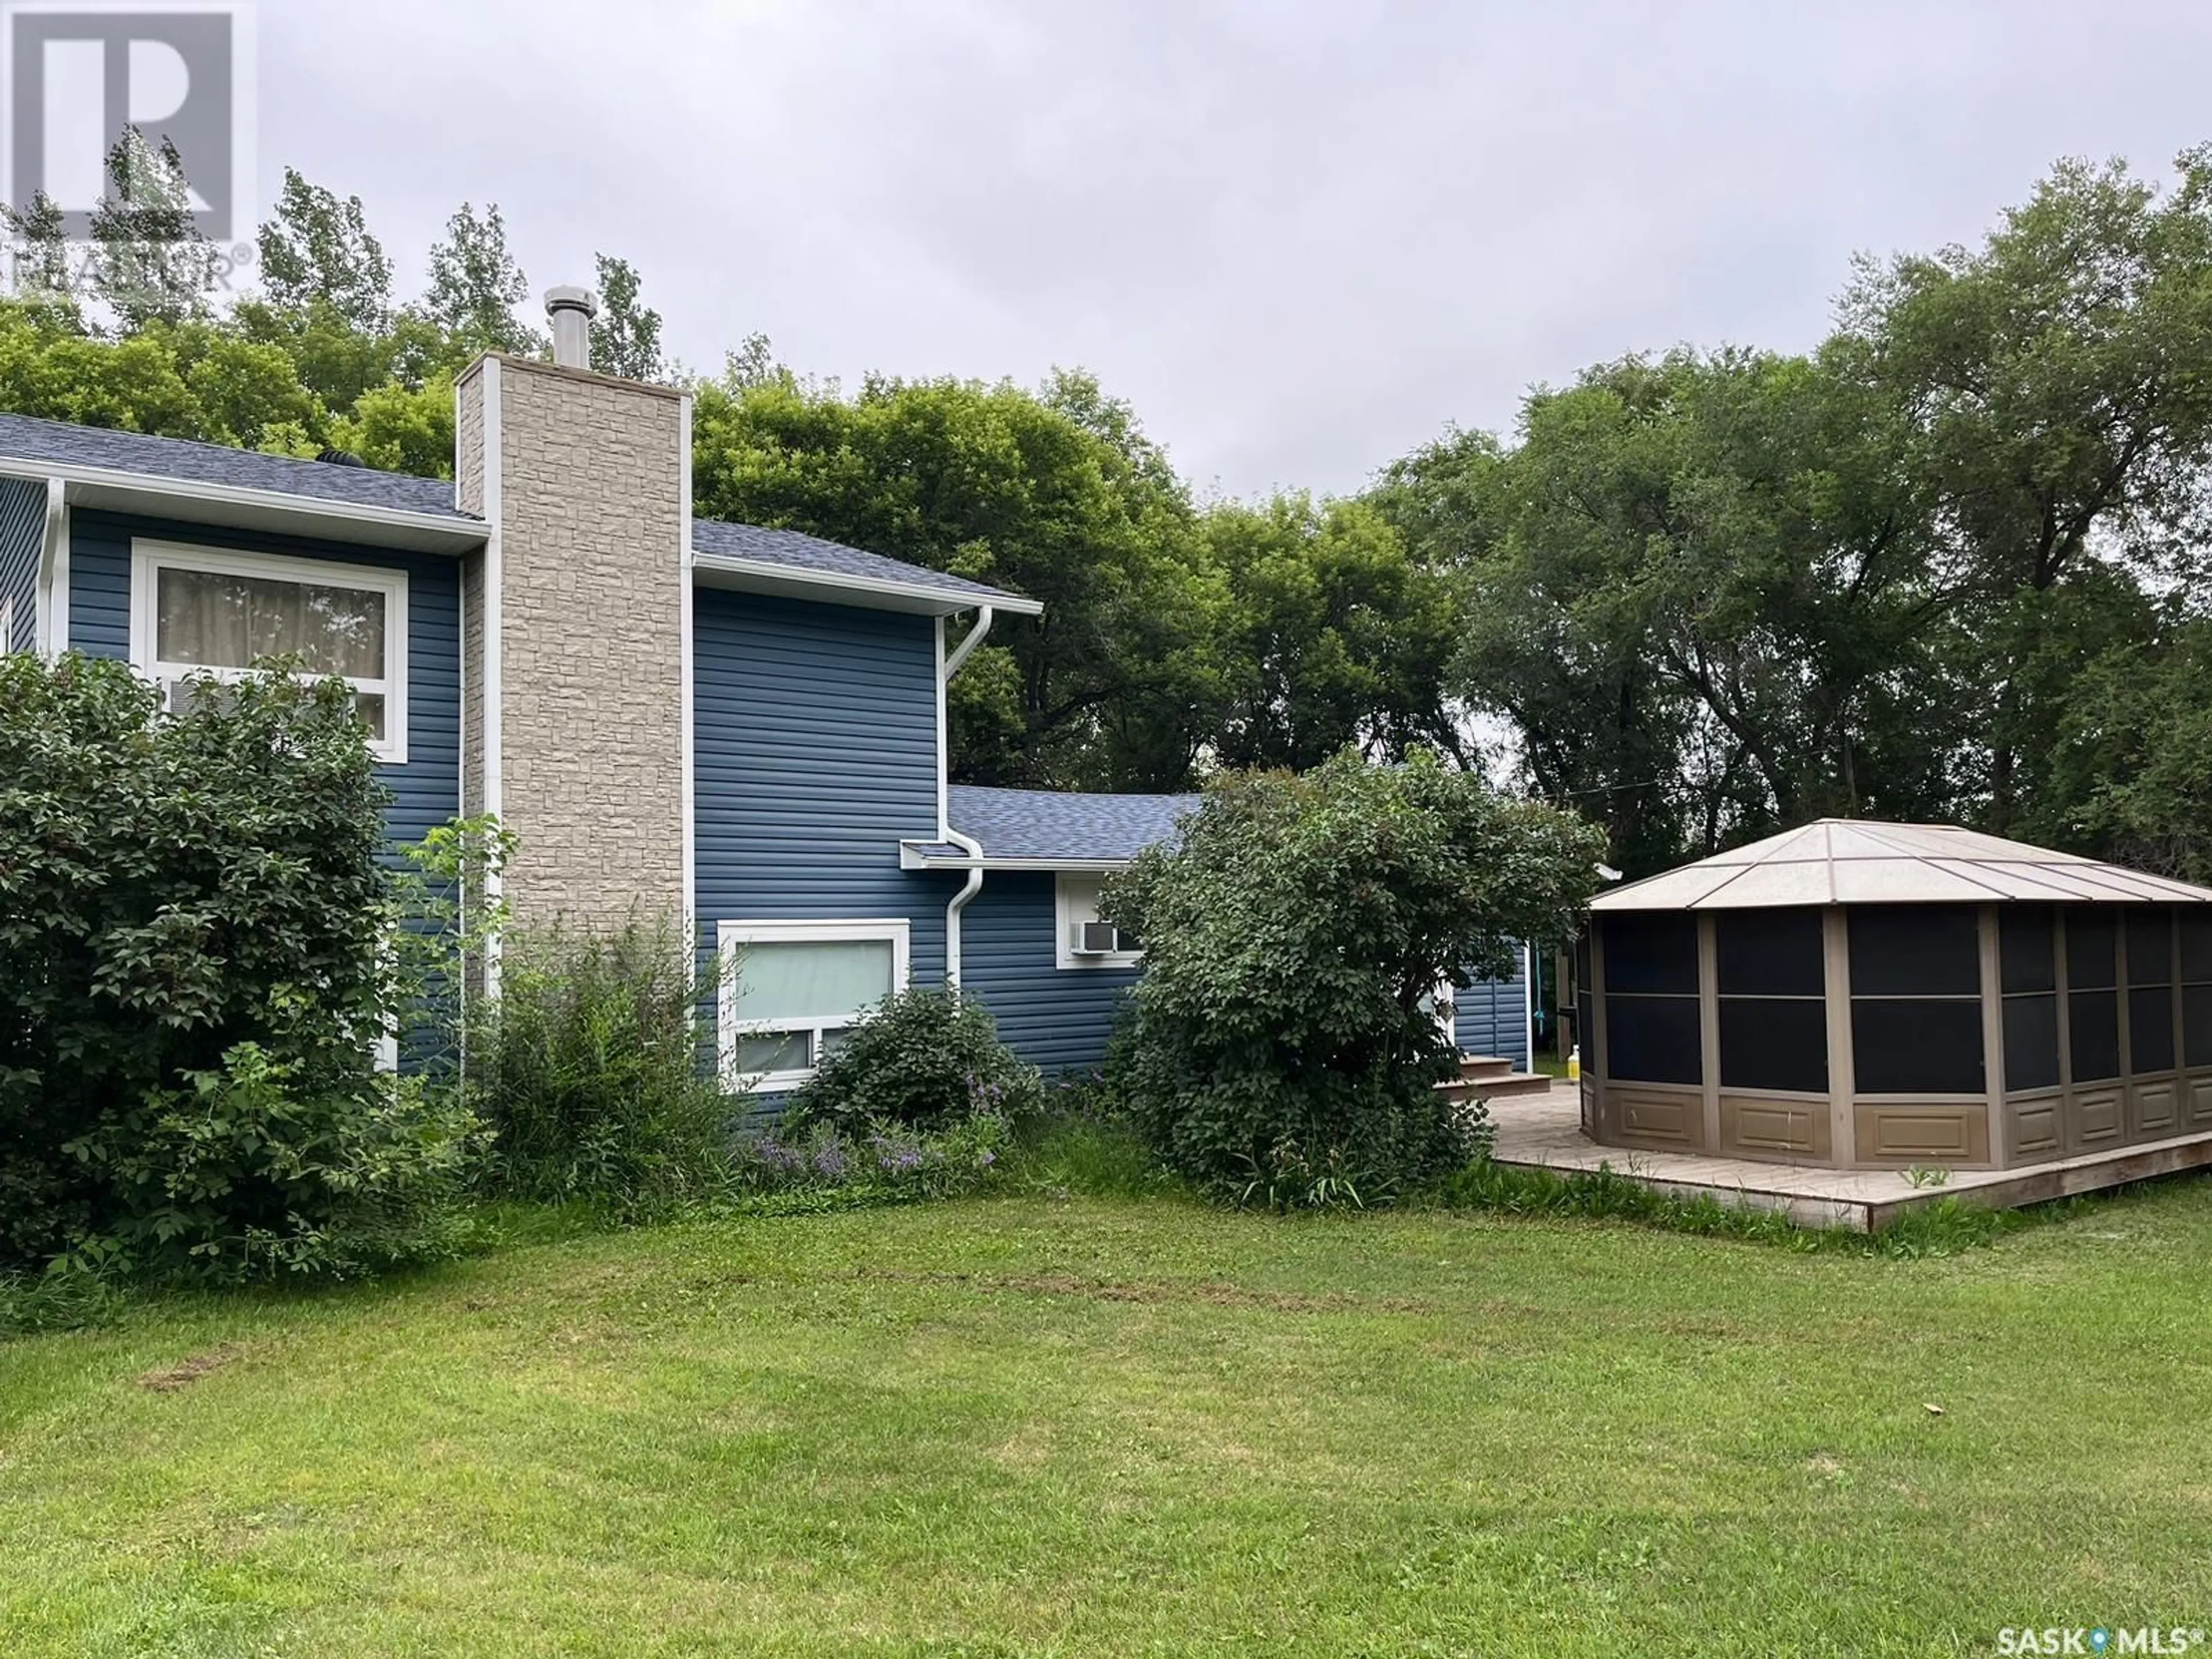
{"x": 874, "y": 592}
{"x": 912, "y": 856}
{"x": 198, "y": 502}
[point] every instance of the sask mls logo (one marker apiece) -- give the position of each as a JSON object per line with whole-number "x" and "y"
{"x": 79, "y": 76}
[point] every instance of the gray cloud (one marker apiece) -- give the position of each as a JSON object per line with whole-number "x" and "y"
{"x": 1300, "y": 238}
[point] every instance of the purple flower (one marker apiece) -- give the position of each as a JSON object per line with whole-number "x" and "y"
{"x": 830, "y": 1160}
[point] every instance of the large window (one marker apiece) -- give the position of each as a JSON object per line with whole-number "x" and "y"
{"x": 1086, "y": 940}
{"x": 2028, "y": 951}
{"x": 792, "y": 989}
{"x": 194, "y": 609}
{"x": 2151, "y": 992}
{"x": 1916, "y": 1000}
{"x": 1652, "y": 1031}
{"x": 1774, "y": 1013}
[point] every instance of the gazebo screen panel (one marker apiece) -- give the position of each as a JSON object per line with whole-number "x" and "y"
{"x": 2027, "y": 952}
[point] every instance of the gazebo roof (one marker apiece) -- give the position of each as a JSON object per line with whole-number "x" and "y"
{"x": 1853, "y": 861}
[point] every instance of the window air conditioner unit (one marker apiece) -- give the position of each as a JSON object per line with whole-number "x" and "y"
{"x": 1095, "y": 939}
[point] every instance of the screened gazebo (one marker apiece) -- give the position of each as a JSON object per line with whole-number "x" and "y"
{"x": 1885, "y": 995}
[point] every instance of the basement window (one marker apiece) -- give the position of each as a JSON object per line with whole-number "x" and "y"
{"x": 196, "y": 609}
{"x": 791, "y": 991}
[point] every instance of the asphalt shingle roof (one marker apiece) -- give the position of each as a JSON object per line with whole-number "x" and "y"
{"x": 1045, "y": 823}
{"x": 61, "y": 443}
{"x": 794, "y": 549}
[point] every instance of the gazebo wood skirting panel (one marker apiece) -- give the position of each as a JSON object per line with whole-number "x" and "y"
{"x": 1895, "y": 997}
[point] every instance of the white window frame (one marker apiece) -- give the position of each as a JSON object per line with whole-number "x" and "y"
{"x": 7, "y": 625}
{"x": 731, "y": 937}
{"x": 150, "y": 558}
{"x": 1065, "y": 886}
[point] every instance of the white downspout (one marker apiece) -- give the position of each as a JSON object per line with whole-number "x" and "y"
{"x": 967, "y": 844}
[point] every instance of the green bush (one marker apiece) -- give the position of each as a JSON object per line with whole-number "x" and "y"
{"x": 816, "y": 1166}
{"x": 922, "y": 1060}
{"x": 194, "y": 973}
{"x": 588, "y": 1070}
{"x": 1279, "y": 1048}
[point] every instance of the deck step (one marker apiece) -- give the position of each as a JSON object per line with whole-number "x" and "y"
{"x": 1497, "y": 1087}
{"x": 1471, "y": 1065}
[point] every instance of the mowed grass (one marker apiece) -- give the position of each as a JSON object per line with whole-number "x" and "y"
{"x": 1021, "y": 1426}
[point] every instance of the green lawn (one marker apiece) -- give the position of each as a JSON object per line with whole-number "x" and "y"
{"x": 1018, "y": 1426}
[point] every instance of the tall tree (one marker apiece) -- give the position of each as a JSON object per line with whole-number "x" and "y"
{"x": 1056, "y": 493}
{"x": 2058, "y": 383}
{"x": 476, "y": 284}
{"x": 626, "y": 337}
{"x": 1692, "y": 588}
{"x": 153, "y": 264}
{"x": 1330, "y": 634}
{"x": 318, "y": 250}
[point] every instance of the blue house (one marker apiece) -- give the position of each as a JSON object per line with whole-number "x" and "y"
{"x": 742, "y": 727}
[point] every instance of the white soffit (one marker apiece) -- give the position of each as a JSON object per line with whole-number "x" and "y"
{"x": 1851, "y": 861}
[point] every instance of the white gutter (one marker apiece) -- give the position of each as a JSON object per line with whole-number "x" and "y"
{"x": 961, "y": 652}
{"x": 50, "y": 602}
{"x": 911, "y": 857}
{"x": 802, "y": 583}
{"x": 439, "y": 528}
{"x": 967, "y": 844}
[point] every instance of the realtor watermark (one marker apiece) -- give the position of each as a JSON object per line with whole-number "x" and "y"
{"x": 2101, "y": 1639}
{"x": 127, "y": 122}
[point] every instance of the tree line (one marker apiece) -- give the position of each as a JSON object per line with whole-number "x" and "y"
{"x": 1950, "y": 564}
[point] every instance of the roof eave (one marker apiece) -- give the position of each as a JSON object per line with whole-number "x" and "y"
{"x": 913, "y": 857}
{"x": 194, "y": 501}
{"x": 869, "y": 593}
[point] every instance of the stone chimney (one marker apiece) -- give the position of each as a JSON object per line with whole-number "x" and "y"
{"x": 575, "y": 628}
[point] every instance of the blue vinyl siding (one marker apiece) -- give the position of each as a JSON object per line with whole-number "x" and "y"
{"x": 1056, "y": 1018}
{"x": 1492, "y": 1018}
{"x": 23, "y": 540}
{"x": 426, "y": 790}
{"x": 814, "y": 754}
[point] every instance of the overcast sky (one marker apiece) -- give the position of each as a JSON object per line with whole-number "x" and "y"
{"x": 1300, "y": 238}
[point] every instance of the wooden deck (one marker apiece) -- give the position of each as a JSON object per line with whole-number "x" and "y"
{"x": 1545, "y": 1132}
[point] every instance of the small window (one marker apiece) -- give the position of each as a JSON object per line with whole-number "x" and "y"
{"x": 2092, "y": 951}
{"x": 1775, "y": 1042}
{"x": 2150, "y": 948}
{"x": 1913, "y": 1046}
{"x": 1085, "y": 938}
{"x": 792, "y": 989}
{"x": 196, "y": 611}
{"x": 1916, "y": 950}
{"x": 2028, "y": 937}
{"x": 2150, "y": 1029}
{"x": 2092, "y": 1026}
{"x": 2031, "y": 1042}
{"x": 1770, "y": 953}
{"x": 1652, "y": 1039}
{"x": 2197, "y": 947}
{"x": 1654, "y": 955}
{"x": 2197, "y": 1024}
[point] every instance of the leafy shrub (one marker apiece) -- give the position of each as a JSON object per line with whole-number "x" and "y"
{"x": 194, "y": 978}
{"x": 1279, "y": 1048}
{"x": 588, "y": 1070}
{"x": 884, "y": 1163}
{"x": 922, "y": 1059}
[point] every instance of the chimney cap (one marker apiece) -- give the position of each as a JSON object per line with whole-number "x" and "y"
{"x": 558, "y": 300}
